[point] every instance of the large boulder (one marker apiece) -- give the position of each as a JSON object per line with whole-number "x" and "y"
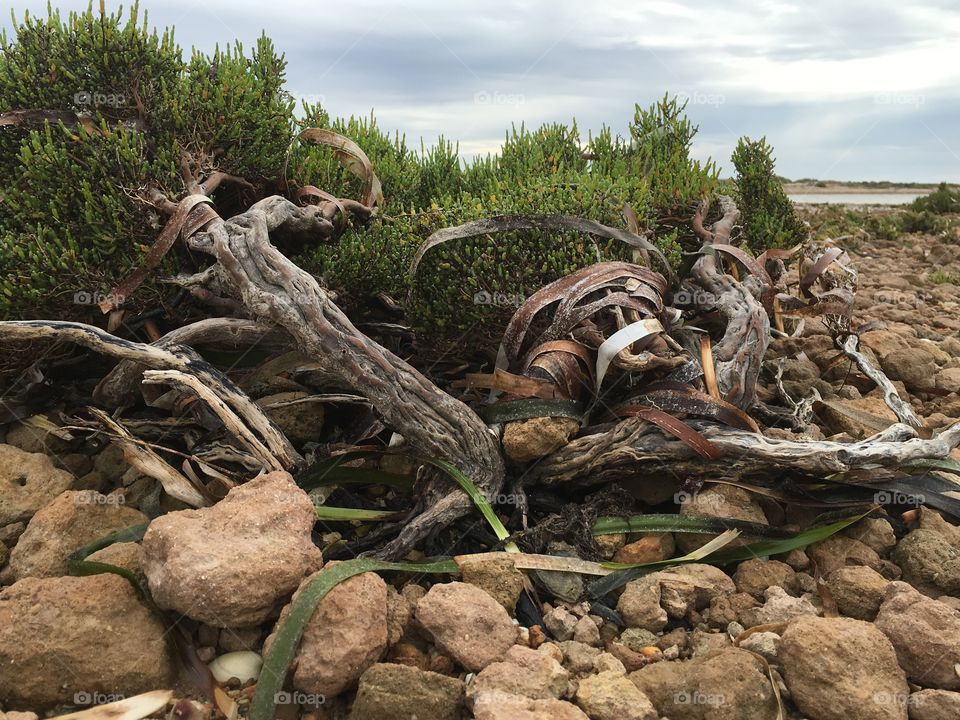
{"x": 74, "y": 519}
{"x": 229, "y": 565}
{"x": 842, "y": 669}
{"x": 70, "y": 639}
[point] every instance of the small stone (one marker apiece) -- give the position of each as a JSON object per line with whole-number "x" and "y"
{"x": 28, "y": 482}
{"x": 731, "y": 684}
{"x": 523, "y": 672}
{"x": 929, "y": 562}
{"x": 755, "y": 576}
{"x": 650, "y": 548}
{"x": 637, "y": 638}
{"x": 563, "y": 585}
{"x": 401, "y": 692}
{"x": 639, "y": 604}
{"x": 934, "y": 705}
{"x": 124, "y": 555}
{"x": 875, "y": 533}
{"x": 692, "y": 587}
{"x": 838, "y": 551}
{"x": 503, "y": 706}
{"x": 858, "y": 591}
{"x": 526, "y": 440}
{"x": 408, "y": 654}
{"x": 399, "y": 615}
{"x": 611, "y": 696}
{"x": 718, "y": 501}
{"x": 925, "y": 634}
{"x": 560, "y": 623}
{"x": 68, "y": 635}
{"x": 726, "y": 609}
{"x": 578, "y": 658}
{"x": 842, "y": 669}
{"x": 608, "y": 662}
{"x": 765, "y": 644}
{"x": 230, "y": 564}
{"x": 587, "y": 632}
{"x": 346, "y": 634}
{"x": 703, "y": 644}
{"x": 778, "y": 608}
{"x": 609, "y": 544}
{"x": 797, "y": 559}
{"x": 497, "y": 575}
{"x": 239, "y": 639}
{"x": 915, "y": 367}
{"x": 467, "y": 623}
{"x": 72, "y": 520}
{"x": 932, "y": 520}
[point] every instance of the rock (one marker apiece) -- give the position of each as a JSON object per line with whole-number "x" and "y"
{"x": 579, "y": 658}
{"x": 243, "y": 665}
{"x": 526, "y": 440}
{"x": 932, "y": 520}
{"x": 501, "y": 706}
{"x": 124, "y": 555}
{"x": 346, "y": 634}
{"x": 28, "y": 482}
{"x": 651, "y": 490}
{"x": 925, "y": 634}
{"x": 934, "y": 705}
{"x": 229, "y": 565}
{"x": 720, "y": 501}
{"x": 875, "y": 533}
{"x": 725, "y": 609}
{"x": 32, "y": 439}
{"x": 563, "y": 585}
{"x": 238, "y": 639}
{"x": 948, "y": 379}
{"x": 650, "y": 548}
{"x": 842, "y": 669}
{"x": 72, "y": 520}
{"x": 609, "y": 544}
{"x": 639, "y": 604}
{"x": 608, "y": 662}
{"x": 587, "y": 631}
{"x": 765, "y": 644}
{"x": 525, "y": 672}
{"x": 65, "y": 636}
{"x": 692, "y": 587}
{"x": 915, "y": 367}
{"x": 837, "y": 551}
{"x": 496, "y": 575}
{"x": 401, "y": 692}
{"x": 858, "y": 591}
{"x": 611, "y": 696}
{"x": 929, "y": 562}
{"x": 399, "y": 615}
{"x": 730, "y": 685}
{"x": 298, "y": 416}
{"x": 560, "y": 623}
{"x": 755, "y": 576}
{"x": 838, "y": 422}
{"x": 14, "y": 715}
{"x": 466, "y": 623}
{"x": 637, "y": 639}
{"x": 779, "y": 607}
{"x": 703, "y": 643}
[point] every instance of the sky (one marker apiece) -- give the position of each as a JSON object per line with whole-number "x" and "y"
{"x": 842, "y": 89}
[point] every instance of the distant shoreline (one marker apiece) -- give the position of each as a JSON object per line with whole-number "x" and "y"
{"x": 837, "y": 188}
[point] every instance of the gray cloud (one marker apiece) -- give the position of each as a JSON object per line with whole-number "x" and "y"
{"x": 853, "y": 90}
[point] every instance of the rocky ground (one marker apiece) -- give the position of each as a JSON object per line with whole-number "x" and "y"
{"x": 862, "y": 626}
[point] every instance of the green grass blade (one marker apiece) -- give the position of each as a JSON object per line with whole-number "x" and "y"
{"x": 284, "y": 647}
{"x": 682, "y": 524}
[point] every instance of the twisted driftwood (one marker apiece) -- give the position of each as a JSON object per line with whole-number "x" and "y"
{"x": 276, "y": 291}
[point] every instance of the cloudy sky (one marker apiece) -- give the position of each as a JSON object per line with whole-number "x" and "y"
{"x": 852, "y": 90}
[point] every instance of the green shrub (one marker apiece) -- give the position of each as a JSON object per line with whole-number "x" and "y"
{"x": 944, "y": 199}
{"x": 768, "y": 216}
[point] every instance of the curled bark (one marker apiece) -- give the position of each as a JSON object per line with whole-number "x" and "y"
{"x": 739, "y": 353}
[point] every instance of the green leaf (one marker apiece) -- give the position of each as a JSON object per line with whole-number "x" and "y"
{"x": 277, "y": 661}
{"x": 682, "y": 524}
{"x": 341, "y": 514}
